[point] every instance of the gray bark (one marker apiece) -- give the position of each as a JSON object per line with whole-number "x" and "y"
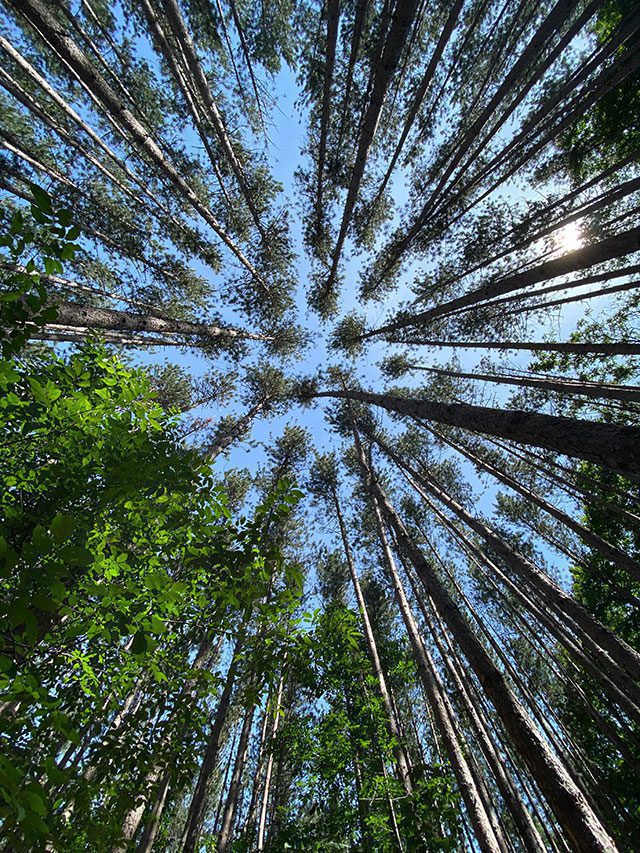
{"x": 597, "y": 543}
{"x": 86, "y": 316}
{"x": 402, "y": 762}
{"x": 193, "y": 823}
{"x": 402, "y": 20}
{"x": 610, "y": 445}
{"x": 231, "y": 804}
{"x": 561, "y": 384}
{"x": 440, "y": 706}
{"x": 50, "y": 28}
{"x": 605, "y": 250}
{"x": 568, "y": 803}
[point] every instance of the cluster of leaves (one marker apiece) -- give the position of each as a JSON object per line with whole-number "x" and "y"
{"x": 50, "y": 235}
{"x": 607, "y": 132}
{"x": 341, "y": 757}
{"x": 117, "y": 554}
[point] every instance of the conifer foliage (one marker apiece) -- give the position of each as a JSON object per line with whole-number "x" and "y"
{"x": 319, "y": 505}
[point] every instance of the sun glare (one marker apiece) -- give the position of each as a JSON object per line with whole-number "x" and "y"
{"x": 569, "y": 238}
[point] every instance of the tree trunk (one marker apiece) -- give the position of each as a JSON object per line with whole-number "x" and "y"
{"x": 333, "y": 17}
{"x": 618, "y": 661}
{"x": 181, "y": 33}
{"x": 597, "y": 543}
{"x": 561, "y": 384}
{"x": 402, "y": 762}
{"x": 568, "y": 803}
{"x": 195, "y": 815}
{"x": 602, "y": 349}
{"x": 611, "y": 445}
{"x": 608, "y": 249}
{"x": 443, "y": 713}
{"x": 506, "y": 786}
{"x": 402, "y": 21}
{"x": 237, "y": 431}
{"x": 262, "y": 823}
{"x": 82, "y": 316}
{"x": 231, "y": 804}
{"x": 423, "y": 86}
{"x": 50, "y": 28}
{"x": 554, "y": 20}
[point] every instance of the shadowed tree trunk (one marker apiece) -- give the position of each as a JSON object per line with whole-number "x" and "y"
{"x": 610, "y": 445}
{"x": 568, "y": 803}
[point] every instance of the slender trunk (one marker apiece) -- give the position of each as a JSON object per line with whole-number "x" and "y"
{"x": 160, "y": 775}
{"x": 506, "y": 786}
{"x": 596, "y": 253}
{"x": 50, "y": 28}
{"x": 249, "y": 824}
{"x": 441, "y": 708}
{"x": 333, "y": 18}
{"x": 492, "y": 572}
{"x": 247, "y": 59}
{"x": 180, "y": 75}
{"x": 602, "y": 349}
{"x": 611, "y": 445}
{"x": 421, "y": 91}
{"x": 554, "y": 20}
{"x": 561, "y": 384}
{"x": 152, "y": 824}
{"x": 358, "y": 26}
{"x": 262, "y": 823}
{"x": 618, "y": 661}
{"x": 546, "y": 216}
{"x": 568, "y": 803}
{"x": 231, "y": 804}
{"x": 604, "y": 82}
{"x": 80, "y": 334}
{"x": 555, "y": 288}
{"x": 402, "y": 762}
{"x": 195, "y": 815}
{"x": 597, "y": 543}
{"x": 22, "y": 63}
{"x": 401, "y": 23}
{"x": 181, "y": 33}
{"x": 239, "y": 428}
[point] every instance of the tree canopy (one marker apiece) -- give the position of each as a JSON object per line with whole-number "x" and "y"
{"x": 319, "y": 426}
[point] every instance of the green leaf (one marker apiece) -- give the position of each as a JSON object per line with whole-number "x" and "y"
{"x": 74, "y": 555}
{"x": 139, "y": 643}
{"x": 64, "y": 216}
{"x": 41, "y": 199}
{"x": 62, "y": 527}
{"x": 158, "y": 626}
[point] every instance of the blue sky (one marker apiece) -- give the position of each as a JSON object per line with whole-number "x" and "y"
{"x": 287, "y": 134}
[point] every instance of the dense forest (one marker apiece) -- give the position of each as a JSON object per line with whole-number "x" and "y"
{"x": 320, "y": 425}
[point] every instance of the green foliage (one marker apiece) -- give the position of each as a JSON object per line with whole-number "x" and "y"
{"x": 608, "y": 131}
{"x": 347, "y": 335}
{"x": 48, "y": 235}
{"x": 342, "y": 758}
{"x": 117, "y": 554}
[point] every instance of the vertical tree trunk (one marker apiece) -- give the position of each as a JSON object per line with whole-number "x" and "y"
{"x": 195, "y": 815}
{"x": 473, "y": 798}
{"x": 532, "y": 840}
{"x": 231, "y": 804}
{"x": 402, "y": 762}
{"x": 262, "y": 823}
{"x": 567, "y": 801}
